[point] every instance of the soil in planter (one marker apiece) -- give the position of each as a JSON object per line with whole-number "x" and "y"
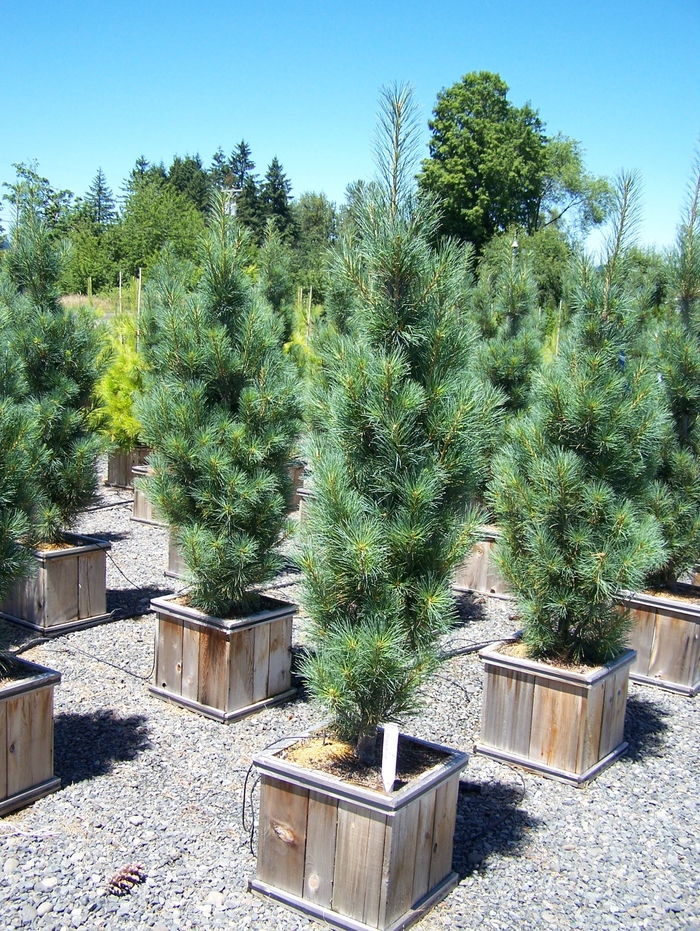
{"x": 11, "y": 670}
{"x": 519, "y": 649}
{"x": 327, "y": 754}
{"x": 690, "y": 594}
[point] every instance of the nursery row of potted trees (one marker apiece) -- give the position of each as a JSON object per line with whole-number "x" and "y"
{"x": 585, "y": 490}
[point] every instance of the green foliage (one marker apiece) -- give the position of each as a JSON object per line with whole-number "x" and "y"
{"x": 492, "y": 167}
{"x": 59, "y": 354}
{"x": 121, "y": 382}
{"x": 571, "y": 488}
{"x": 189, "y": 178}
{"x": 220, "y": 411}
{"x": 275, "y": 260}
{"x": 400, "y": 423}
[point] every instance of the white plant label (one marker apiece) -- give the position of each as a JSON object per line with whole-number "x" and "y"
{"x": 390, "y": 753}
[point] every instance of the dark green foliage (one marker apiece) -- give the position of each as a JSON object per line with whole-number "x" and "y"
{"x": 275, "y": 260}
{"x": 275, "y": 196}
{"x": 492, "y": 167}
{"x": 400, "y": 422}
{"x": 188, "y": 177}
{"x": 571, "y": 487}
{"x": 99, "y": 202}
{"x": 220, "y": 412}
{"x": 59, "y": 354}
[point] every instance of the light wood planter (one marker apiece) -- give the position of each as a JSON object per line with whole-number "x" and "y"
{"x": 67, "y": 592}
{"x": 223, "y": 668}
{"x": 553, "y": 721}
{"x": 296, "y": 477}
{"x": 479, "y": 573}
{"x": 665, "y": 633}
{"x": 26, "y": 737}
{"x": 351, "y": 857}
{"x": 120, "y": 465}
{"x": 142, "y": 509}
{"x": 177, "y": 568}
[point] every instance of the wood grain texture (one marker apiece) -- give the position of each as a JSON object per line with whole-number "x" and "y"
{"x": 168, "y": 674}
{"x": 398, "y": 870}
{"x": 29, "y": 739}
{"x": 3, "y": 749}
{"x": 424, "y": 846}
{"x": 189, "y": 679}
{"x": 282, "y": 830}
{"x": 443, "y": 830}
{"x": 242, "y": 657}
{"x": 674, "y": 651}
{"x": 214, "y": 669}
{"x": 92, "y": 586}
{"x": 319, "y": 864}
{"x": 641, "y": 636}
{"x": 556, "y": 716}
{"x": 280, "y": 668}
{"x": 612, "y": 727}
{"x": 507, "y": 709}
{"x": 261, "y": 661}
{"x": 61, "y": 590}
{"x": 359, "y": 858}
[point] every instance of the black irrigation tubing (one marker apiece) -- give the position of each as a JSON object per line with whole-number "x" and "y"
{"x": 121, "y": 502}
{"x": 105, "y": 662}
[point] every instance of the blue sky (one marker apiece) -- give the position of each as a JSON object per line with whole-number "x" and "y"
{"x": 98, "y": 84}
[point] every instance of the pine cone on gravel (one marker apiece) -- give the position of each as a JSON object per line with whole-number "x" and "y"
{"x": 126, "y": 878}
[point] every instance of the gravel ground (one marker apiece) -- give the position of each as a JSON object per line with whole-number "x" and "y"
{"x": 147, "y": 782}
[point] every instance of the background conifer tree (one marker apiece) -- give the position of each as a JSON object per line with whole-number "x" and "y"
{"x": 569, "y": 490}
{"x": 220, "y": 412}
{"x": 59, "y": 351}
{"x": 400, "y": 423}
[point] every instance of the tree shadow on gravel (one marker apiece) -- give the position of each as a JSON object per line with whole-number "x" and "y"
{"x": 471, "y": 606}
{"x": 127, "y": 602}
{"x": 489, "y": 821}
{"x": 107, "y": 536}
{"x": 88, "y": 745}
{"x": 645, "y": 728}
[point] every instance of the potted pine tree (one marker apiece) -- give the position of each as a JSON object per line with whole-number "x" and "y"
{"x": 568, "y": 493}
{"x": 26, "y": 689}
{"x": 220, "y": 412}
{"x": 399, "y": 423}
{"x": 59, "y": 351}
{"x": 666, "y": 614}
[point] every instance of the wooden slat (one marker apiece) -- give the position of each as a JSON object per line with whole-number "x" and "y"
{"x": 3, "y": 749}
{"x": 32, "y": 596}
{"x": 190, "y": 662}
{"x": 214, "y": 653}
{"x": 399, "y": 864}
{"x": 168, "y": 674}
{"x": 280, "y": 675}
{"x": 242, "y": 653}
{"x": 322, "y": 824}
{"x": 261, "y": 661}
{"x": 92, "y": 592}
{"x": 556, "y": 713}
{"x": 424, "y": 846}
{"x": 641, "y": 637}
{"x": 357, "y": 878}
{"x": 443, "y": 830}
{"x": 61, "y": 591}
{"x": 674, "y": 651}
{"x": 282, "y": 834}
{"x": 614, "y": 705}
{"x": 589, "y": 747}
{"x": 495, "y": 583}
{"x": 29, "y": 739}
{"x": 507, "y": 710}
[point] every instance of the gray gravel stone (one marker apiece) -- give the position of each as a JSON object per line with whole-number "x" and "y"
{"x": 145, "y": 781}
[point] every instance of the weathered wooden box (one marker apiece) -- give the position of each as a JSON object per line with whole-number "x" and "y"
{"x": 177, "y": 568}
{"x": 120, "y": 465}
{"x": 67, "y": 592}
{"x": 26, "y": 737}
{"x": 478, "y": 572}
{"x": 142, "y": 509}
{"x": 555, "y": 721}
{"x": 223, "y": 668}
{"x": 665, "y": 634}
{"x": 351, "y": 857}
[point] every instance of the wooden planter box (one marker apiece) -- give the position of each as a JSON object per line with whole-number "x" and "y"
{"x": 120, "y": 465}
{"x": 26, "y": 737}
{"x": 304, "y": 495}
{"x": 223, "y": 668}
{"x": 479, "y": 573}
{"x": 296, "y": 476}
{"x": 556, "y": 722}
{"x": 67, "y": 592}
{"x": 665, "y": 633}
{"x": 142, "y": 509}
{"x": 351, "y": 857}
{"x": 177, "y": 569}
